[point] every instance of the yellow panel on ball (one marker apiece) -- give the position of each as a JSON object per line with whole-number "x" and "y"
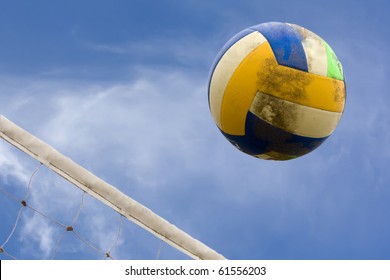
{"x": 301, "y": 87}
{"x": 242, "y": 89}
{"x": 225, "y": 68}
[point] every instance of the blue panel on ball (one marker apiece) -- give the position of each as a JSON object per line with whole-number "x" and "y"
{"x": 286, "y": 44}
{"x": 261, "y": 137}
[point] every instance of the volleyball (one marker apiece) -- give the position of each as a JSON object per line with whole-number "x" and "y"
{"x": 276, "y": 91}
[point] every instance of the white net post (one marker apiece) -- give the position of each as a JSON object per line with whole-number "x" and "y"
{"x": 106, "y": 193}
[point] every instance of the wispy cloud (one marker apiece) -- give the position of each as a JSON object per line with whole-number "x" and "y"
{"x": 143, "y": 136}
{"x": 170, "y": 49}
{"x": 10, "y": 164}
{"x": 153, "y": 137}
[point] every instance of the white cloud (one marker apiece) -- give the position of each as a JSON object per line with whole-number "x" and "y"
{"x": 10, "y": 164}
{"x": 37, "y": 236}
{"x": 141, "y": 135}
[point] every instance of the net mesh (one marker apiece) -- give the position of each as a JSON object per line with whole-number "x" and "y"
{"x": 43, "y": 216}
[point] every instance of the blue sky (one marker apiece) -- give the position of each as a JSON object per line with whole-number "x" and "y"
{"x": 121, "y": 88}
